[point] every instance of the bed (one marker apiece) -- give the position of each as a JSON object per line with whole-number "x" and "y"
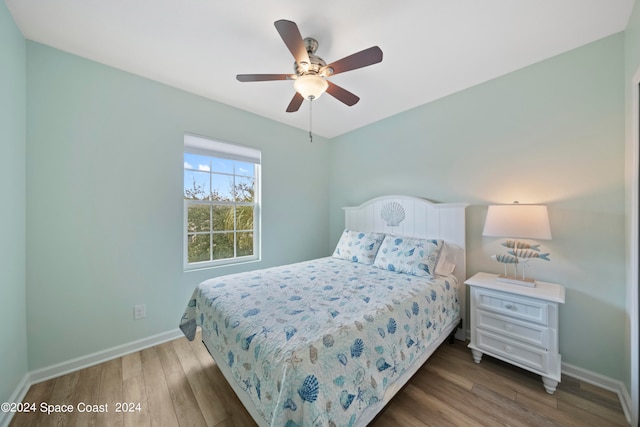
{"x": 330, "y": 341}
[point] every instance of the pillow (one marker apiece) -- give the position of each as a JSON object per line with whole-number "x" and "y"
{"x": 409, "y": 255}
{"x": 447, "y": 260}
{"x": 357, "y": 246}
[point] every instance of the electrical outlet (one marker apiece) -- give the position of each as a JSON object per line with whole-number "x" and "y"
{"x": 139, "y": 312}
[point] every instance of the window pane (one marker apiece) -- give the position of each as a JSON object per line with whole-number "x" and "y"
{"x": 198, "y": 218}
{"x": 196, "y": 185}
{"x": 197, "y": 162}
{"x": 222, "y": 245}
{"x": 245, "y": 189}
{"x": 222, "y": 187}
{"x": 222, "y": 165}
{"x": 199, "y": 249}
{"x": 244, "y": 218}
{"x": 223, "y": 218}
{"x": 244, "y": 244}
{"x": 244, "y": 169}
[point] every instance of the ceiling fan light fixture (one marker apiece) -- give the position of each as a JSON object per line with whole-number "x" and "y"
{"x": 310, "y": 86}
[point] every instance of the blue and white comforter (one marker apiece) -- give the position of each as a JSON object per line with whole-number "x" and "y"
{"x": 315, "y": 343}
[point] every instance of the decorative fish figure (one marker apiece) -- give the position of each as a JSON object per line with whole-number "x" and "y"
{"x": 505, "y": 259}
{"x": 524, "y": 253}
{"x": 515, "y": 244}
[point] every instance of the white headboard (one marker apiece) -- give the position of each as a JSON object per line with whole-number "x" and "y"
{"x": 413, "y": 216}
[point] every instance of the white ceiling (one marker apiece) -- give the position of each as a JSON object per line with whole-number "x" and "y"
{"x": 432, "y": 48}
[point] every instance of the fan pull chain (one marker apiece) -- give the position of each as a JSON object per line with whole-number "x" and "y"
{"x": 310, "y": 118}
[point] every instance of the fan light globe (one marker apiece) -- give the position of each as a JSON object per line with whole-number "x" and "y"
{"x": 310, "y": 86}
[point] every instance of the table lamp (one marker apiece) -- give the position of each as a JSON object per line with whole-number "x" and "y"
{"x": 518, "y": 221}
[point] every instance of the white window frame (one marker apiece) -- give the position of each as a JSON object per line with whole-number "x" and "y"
{"x": 201, "y": 145}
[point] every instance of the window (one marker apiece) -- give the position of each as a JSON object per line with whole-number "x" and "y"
{"x": 221, "y": 203}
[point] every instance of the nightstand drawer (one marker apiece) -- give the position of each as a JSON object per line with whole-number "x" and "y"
{"x": 530, "y": 333}
{"x": 522, "y": 308}
{"x": 514, "y": 352}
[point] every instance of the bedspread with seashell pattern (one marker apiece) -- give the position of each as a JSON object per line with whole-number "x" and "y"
{"x": 315, "y": 343}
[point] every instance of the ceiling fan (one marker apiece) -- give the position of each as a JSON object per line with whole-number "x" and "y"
{"x": 311, "y": 71}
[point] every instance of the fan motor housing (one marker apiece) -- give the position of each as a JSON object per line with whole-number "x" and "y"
{"x": 316, "y": 63}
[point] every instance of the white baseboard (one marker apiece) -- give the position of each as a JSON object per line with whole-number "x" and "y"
{"x": 82, "y": 362}
{"x": 17, "y": 396}
{"x": 601, "y": 381}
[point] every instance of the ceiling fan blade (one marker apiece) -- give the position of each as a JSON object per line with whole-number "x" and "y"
{"x": 366, "y": 57}
{"x": 290, "y": 34}
{"x": 295, "y": 103}
{"x": 263, "y": 77}
{"x": 341, "y": 94}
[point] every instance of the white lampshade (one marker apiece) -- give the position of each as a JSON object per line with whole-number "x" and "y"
{"x": 516, "y": 220}
{"x": 310, "y": 86}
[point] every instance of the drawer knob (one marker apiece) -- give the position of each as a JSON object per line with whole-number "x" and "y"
{"x": 509, "y": 306}
{"x": 508, "y": 349}
{"x": 508, "y": 327}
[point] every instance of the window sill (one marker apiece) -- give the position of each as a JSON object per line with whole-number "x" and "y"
{"x": 220, "y": 264}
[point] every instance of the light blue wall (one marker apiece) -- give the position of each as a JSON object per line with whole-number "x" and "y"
{"x": 551, "y": 133}
{"x": 13, "y": 347}
{"x": 632, "y": 67}
{"x": 104, "y": 201}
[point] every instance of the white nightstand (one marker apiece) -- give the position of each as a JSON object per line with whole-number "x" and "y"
{"x": 517, "y": 324}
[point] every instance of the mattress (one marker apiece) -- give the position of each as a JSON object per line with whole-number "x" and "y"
{"x": 320, "y": 342}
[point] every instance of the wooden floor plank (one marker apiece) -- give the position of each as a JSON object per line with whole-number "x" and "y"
{"x": 63, "y": 395}
{"x": 168, "y": 358}
{"x": 131, "y": 365}
{"x": 86, "y": 393}
{"x": 160, "y": 405}
{"x": 110, "y": 392}
{"x": 178, "y": 384}
{"x": 185, "y": 403}
{"x": 211, "y": 404}
{"x": 135, "y": 404}
{"x": 475, "y": 409}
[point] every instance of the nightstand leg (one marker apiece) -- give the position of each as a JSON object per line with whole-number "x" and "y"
{"x": 549, "y": 384}
{"x": 477, "y": 355}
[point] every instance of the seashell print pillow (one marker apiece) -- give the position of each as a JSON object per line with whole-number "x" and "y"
{"x": 413, "y": 256}
{"x": 356, "y": 246}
